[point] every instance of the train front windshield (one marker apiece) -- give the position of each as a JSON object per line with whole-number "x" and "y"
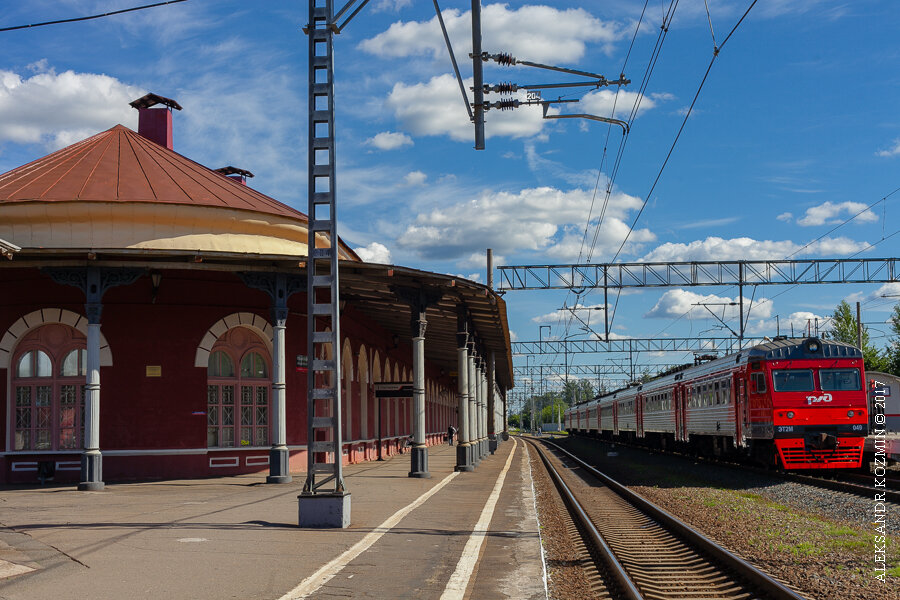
{"x": 817, "y": 380}
{"x": 839, "y": 380}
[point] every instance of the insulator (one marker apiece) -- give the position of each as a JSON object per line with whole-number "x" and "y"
{"x": 507, "y": 88}
{"x": 506, "y": 104}
{"x": 505, "y": 59}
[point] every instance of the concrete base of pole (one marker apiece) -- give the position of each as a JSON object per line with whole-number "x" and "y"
{"x": 463, "y": 458}
{"x": 476, "y": 452}
{"x": 279, "y": 472}
{"x": 324, "y": 511}
{"x": 91, "y": 472}
{"x": 418, "y": 462}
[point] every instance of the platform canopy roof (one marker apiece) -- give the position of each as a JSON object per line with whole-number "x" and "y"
{"x": 118, "y": 189}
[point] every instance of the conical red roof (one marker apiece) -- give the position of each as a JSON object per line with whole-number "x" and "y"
{"x": 119, "y": 165}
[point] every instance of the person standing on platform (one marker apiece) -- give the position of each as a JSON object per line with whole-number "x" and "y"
{"x": 450, "y": 431}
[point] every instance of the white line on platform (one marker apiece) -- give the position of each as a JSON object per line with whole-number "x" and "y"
{"x": 328, "y": 571}
{"x": 459, "y": 581}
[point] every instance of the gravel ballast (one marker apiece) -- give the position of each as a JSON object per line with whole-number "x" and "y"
{"x": 821, "y": 542}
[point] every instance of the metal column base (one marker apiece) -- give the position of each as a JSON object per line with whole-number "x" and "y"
{"x": 493, "y": 443}
{"x": 324, "y": 510}
{"x": 279, "y": 470}
{"x": 91, "y": 472}
{"x": 463, "y": 458}
{"x": 418, "y": 462}
{"x": 475, "y": 449}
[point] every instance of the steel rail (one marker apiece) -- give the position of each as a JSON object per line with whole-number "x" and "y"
{"x": 618, "y": 572}
{"x": 742, "y": 568}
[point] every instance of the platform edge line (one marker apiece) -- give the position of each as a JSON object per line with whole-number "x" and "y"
{"x": 333, "y": 567}
{"x": 459, "y": 581}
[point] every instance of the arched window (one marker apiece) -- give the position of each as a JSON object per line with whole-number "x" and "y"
{"x": 48, "y": 386}
{"x": 238, "y": 401}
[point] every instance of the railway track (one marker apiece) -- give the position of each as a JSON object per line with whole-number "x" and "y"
{"x": 648, "y": 553}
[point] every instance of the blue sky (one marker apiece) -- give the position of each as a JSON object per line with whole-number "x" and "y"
{"x": 796, "y": 130}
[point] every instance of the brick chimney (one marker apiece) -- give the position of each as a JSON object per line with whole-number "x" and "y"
{"x": 155, "y": 123}
{"x": 239, "y": 175}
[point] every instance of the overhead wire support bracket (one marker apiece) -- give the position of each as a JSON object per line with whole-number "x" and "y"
{"x": 332, "y": 24}
{"x": 534, "y": 97}
{"x": 510, "y": 60}
{"x": 619, "y": 122}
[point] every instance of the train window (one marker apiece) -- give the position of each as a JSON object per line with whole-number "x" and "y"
{"x": 758, "y": 383}
{"x": 793, "y": 380}
{"x": 839, "y": 379}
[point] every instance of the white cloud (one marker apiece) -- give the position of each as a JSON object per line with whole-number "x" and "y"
{"x": 744, "y": 248}
{"x": 828, "y": 213}
{"x": 437, "y": 108}
{"x": 375, "y": 253}
{"x": 415, "y": 178}
{"x": 587, "y": 314}
{"x": 509, "y": 222}
{"x": 892, "y": 151}
{"x": 57, "y": 109}
{"x": 797, "y": 322}
{"x": 391, "y": 5}
{"x": 785, "y": 216}
{"x": 678, "y": 302}
{"x": 390, "y": 140}
{"x": 604, "y": 102}
{"x": 535, "y": 33}
{"x": 612, "y": 231}
{"x": 889, "y": 292}
{"x": 478, "y": 260}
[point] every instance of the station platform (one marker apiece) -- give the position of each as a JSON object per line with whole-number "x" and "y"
{"x": 455, "y": 535}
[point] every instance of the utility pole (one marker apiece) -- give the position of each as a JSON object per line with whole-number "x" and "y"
{"x": 477, "y": 73}
{"x": 859, "y": 329}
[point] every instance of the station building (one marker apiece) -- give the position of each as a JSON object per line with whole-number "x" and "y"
{"x": 173, "y": 276}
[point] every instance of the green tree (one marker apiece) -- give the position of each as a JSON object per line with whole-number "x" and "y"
{"x": 844, "y": 329}
{"x": 552, "y": 411}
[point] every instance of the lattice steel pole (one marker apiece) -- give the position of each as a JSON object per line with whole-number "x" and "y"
{"x": 321, "y": 506}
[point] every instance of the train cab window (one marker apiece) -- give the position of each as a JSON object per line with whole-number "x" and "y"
{"x": 793, "y": 380}
{"x": 839, "y": 379}
{"x": 758, "y": 383}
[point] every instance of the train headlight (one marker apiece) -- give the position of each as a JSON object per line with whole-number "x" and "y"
{"x": 790, "y": 414}
{"x": 850, "y": 413}
{"x": 812, "y": 345}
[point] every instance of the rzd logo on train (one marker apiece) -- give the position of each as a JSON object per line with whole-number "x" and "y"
{"x": 822, "y": 398}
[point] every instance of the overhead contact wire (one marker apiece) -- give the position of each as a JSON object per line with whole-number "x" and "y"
{"x": 88, "y": 18}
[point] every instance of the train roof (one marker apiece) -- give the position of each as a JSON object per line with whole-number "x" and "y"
{"x": 781, "y": 348}
{"x": 803, "y": 349}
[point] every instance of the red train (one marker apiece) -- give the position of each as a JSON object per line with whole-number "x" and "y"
{"x": 793, "y": 403}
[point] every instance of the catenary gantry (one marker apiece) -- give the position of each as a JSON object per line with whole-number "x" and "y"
{"x": 696, "y": 273}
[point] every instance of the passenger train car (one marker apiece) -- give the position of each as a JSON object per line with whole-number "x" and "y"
{"x": 793, "y": 403}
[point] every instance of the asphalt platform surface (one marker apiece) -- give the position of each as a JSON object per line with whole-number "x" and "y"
{"x": 237, "y": 537}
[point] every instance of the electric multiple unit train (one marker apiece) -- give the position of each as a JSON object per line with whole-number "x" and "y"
{"x": 791, "y": 403}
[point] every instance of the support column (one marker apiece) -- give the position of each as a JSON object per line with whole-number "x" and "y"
{"x": 279, "y": 287}
{"x": 482, "y": 413}
{"x": 91, "y": 459}
{"x": 93, "y": 281}
{"x": 479, "y": 398}
{"x": 493, "y": 438}
{"x": 419, "y": 454}
{"x": 463, "y": 447}
{"x": 473, "y": 408}
{"x": 279, "y": 469}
